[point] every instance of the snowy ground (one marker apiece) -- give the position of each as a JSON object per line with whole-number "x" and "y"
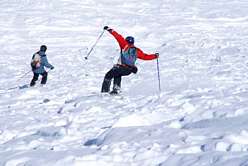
{"x": 199, "y": 119}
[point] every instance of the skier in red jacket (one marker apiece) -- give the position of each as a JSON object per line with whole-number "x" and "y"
{"x": 126, "y": 63}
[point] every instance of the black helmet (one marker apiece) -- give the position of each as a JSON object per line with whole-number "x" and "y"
{"x": 43, "y": 48}
{"x": 130, "y": 39}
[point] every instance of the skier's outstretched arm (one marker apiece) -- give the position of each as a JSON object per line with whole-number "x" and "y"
{"x": 144, "y": 56}
{"x": 119, "y": 38}
{"x": 46, "y": 63}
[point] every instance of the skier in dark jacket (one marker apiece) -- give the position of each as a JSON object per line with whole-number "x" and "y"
{"x": 39, "y": 61}
{"x": 126, "y": 63}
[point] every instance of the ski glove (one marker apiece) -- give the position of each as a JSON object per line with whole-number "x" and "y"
{"x": 157, "y": 54}
{"x": 52, "y": 68}
{"x": 107, "y": 28}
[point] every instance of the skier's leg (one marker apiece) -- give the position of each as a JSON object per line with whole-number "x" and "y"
{"x": 117, "y": 81}
{"x": 35, "y": 78}
{"x": 119, "y": 72}
{"x": 117, "y": 85}
{"x": 44, "y": 78}
{"x": 107, "y": 81}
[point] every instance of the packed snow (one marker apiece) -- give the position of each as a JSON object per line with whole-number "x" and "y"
{"x": 198, "y": 119}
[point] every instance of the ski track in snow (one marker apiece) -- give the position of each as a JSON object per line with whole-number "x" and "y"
{"x": 198, "y": 119}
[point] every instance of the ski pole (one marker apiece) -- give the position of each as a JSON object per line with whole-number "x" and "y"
{"x": 24, "y": 75}
{"x": 27, "y": 74}
{"x": 88, "y": 54}
{"x": 159, "y": 85}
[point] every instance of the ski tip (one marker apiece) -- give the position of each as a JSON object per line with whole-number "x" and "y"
{"x": 23, "y": 86}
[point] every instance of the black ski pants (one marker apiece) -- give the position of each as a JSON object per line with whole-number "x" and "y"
{"x": 116, "y": 72}
{"x": 36, "y": 76}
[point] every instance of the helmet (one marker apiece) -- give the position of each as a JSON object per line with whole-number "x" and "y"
{"x": 130, "y": 39}
{"x": 43, "y": 48}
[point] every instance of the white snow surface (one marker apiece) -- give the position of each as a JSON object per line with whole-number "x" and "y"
{"x": 198, "y": 119}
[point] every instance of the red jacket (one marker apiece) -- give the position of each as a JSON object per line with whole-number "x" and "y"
{"x": 123, "y": 44}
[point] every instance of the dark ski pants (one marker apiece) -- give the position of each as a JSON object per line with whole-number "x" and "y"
{"x": 36, "y": 76}
{"x": 116, "y": 72}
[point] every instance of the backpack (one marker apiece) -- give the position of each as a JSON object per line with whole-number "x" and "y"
{"x": 36, "y": 61}
{"x": 129, "y": 56}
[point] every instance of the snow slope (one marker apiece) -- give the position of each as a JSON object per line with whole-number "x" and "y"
{"x": 199, "y": 118}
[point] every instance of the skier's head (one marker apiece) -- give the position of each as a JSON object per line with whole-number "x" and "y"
{"x": 130, "y": 39}
{"x": 43, "y": 48}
